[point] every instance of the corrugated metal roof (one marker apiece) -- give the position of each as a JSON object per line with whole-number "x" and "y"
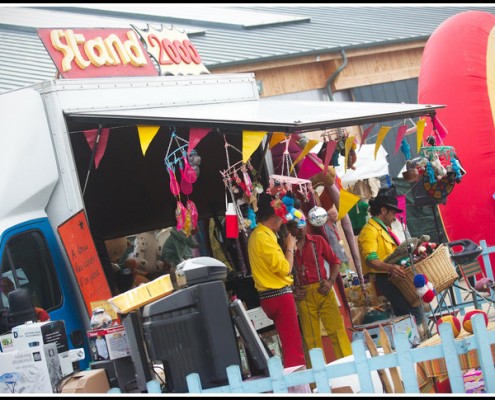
{"x": 222, "y": 42}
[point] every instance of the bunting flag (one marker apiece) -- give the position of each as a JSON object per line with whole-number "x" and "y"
{"x": 309, "y": 167}
{"x": 311, "y": 143}
{"x": 250, "y": 142}
{"x": 146, "y": 135}
{"x": 400, "y": 135}
{"x": 331, "y": 145}
{"x": 195, "y": 136}
{"x": 347, "y": 147}
{"x": 102, "y": 143}
{"x": 379, "y": 138}
{"x": 365, "y": 134}
{"x": 442, "y": 131}
{"x": 277, "y": 137}
{"x": 401, "y": 203}
{"x": 420, "y": 125}
{"x": 346, "y": 202}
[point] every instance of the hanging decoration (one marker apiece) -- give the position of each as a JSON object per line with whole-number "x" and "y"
{"x": 238, "y": 185}
{"x": 176, "y": 156}
{"x": 380, "y": 137}
{"x": 146, "y": 135}
{"x": 346, "y": 202}
{"x": 195, "y": 136}
{"x": 250, "y": 142}
{"x": 100, "y": 141}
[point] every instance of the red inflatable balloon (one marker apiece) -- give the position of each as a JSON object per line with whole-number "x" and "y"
{"x": 458, "y": 70}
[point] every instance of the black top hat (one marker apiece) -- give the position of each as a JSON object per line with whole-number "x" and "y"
{"x": 382, "y": 200}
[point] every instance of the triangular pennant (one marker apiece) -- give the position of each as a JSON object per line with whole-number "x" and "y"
{"x": 401, "y": 203}
{"x": 277, "y": 137}
{"x": 91, "y": 136}
{"x": 347, "y": 148}
{"x": 379, "y": 138}
{"x": 420, "y": 128}
{"x": 250, "y": 142}
{"x": 195, "y": 136}
{"x": 308, "y": 168}
{"x": 331, "y": 145}
{"x": 346, "y": 202}
{"x": 146, "y": 135}
{"x": 311, "y": 143}
{"x": 442, "y": 131}
{"x": 365, "y": 134}
{"x": 400, "y": 135}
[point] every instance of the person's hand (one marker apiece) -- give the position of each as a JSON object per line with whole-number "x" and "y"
{"x": 325, "y": 287}
{"x": 396, "y": 271}
{"x": 299, "y": 292}
{"x": 333, "y": 214}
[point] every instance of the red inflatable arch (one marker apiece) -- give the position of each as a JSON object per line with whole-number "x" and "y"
{"x": 458, "y": 70}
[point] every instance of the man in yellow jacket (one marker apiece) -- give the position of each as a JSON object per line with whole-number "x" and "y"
{"x": 376, "y": 241}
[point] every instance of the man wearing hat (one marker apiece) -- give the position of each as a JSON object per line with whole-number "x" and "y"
{"x": 271, "y": 270}
{"x": 376, "y": 241}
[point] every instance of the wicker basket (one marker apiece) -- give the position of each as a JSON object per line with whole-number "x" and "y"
{"x": 437, "y": 267}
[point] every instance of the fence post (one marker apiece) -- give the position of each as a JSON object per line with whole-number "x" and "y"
{"x": 486, "y": 258}
{"x": 277, "y": 375}
{"x": 235, "y": 379}
{"x": 406, "y": 364}
{"x": 319, "y": 373}
{"x": 484, "y": 352}
{"x": 451, "y": 358}
{"x": 362, "y": 367}
{"x": 194, "y": 383}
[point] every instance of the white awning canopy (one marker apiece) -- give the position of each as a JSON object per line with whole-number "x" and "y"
{"x": 262, "y": 115}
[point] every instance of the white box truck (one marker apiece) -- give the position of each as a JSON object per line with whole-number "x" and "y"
{"x": 48, "y": 173}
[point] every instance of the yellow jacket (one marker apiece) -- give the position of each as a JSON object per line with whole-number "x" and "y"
{"x": 374, "y": 243}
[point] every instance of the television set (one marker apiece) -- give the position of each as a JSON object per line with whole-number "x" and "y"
{"x": 191, "y": 330}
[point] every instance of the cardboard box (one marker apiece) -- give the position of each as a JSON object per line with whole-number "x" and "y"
{"x": 32, "y": 370}
{"x": 89, "y": 381}
{"x": 108, "y": 343}
{"x": 32, "y": 333}
{"x": 405, "y": 324}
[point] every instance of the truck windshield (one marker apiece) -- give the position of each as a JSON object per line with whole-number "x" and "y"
{"x": 26, "y": 264}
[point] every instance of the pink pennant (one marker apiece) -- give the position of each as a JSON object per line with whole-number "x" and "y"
{"x": 400, "y": 135}
{"x": 195, "y": 136}
{"x": 328, "y": 155}
{"x": 308, "y": 168}
{"x": 442, "y": 131}
{"x": 91, "y": 136}
{"x": 401, "y": 203}
{"x": 365, "y": 134}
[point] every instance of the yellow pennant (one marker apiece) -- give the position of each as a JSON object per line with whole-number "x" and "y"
{"x": 250, "y": 142}
{"x": 311, "y": 143}
{"x": 381, "y": 135}
{"x": 346, "y": 202}
{"x": 277, "y": 137}
{"x": 146, "y": 135}
{"x": 348, "y": 144}
{"x": 420, "y": 128}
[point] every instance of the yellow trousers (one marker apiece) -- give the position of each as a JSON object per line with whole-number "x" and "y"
{"x": 314, "y": 307}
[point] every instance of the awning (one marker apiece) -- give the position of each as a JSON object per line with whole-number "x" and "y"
{"x": 262, "y": 115}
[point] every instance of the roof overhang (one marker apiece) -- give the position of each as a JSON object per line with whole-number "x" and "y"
{"x": 287, "y": 116}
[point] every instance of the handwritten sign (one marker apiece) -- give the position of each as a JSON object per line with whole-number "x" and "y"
{"x": 81, "y": 251}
